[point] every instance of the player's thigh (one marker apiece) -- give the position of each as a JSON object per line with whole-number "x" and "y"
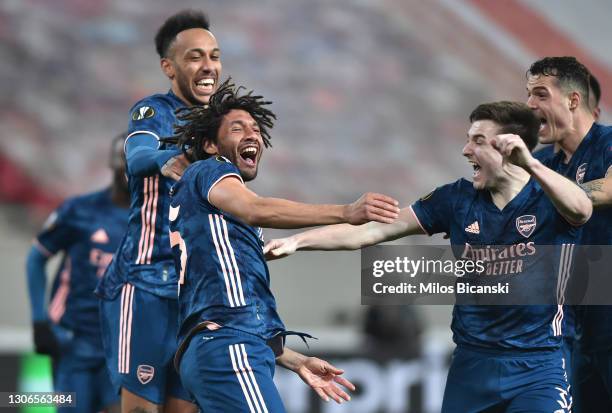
{"x": 142, "y": 330}
{"x": 69, "y": 377}
{"x": 603, "y": 360}
{"x": 174, "y": 405}
{"x": 539, "y": 385}
{"x": 230, "y": 373}
{"x": 472, "y": 384}
{"x": 132, "y": 403}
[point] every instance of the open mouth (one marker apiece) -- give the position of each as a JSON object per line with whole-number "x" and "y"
{"x": 249, "y": 155}
{"x": 205, "y": 86}
{"x": 476, "y": 168}
{"x": 543, "y": 124}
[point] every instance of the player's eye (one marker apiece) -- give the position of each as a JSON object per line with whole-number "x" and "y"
{"x": 215, "y": 57}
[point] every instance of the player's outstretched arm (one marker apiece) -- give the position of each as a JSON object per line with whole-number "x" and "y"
{"x": 345, "y": 237}
{"x": 320, "y": 375}
{"x": 231, "y": 195}
{"x": 567, "y": 197}
{"x": 145, "y": 159}
{"x": 599, "y": 191}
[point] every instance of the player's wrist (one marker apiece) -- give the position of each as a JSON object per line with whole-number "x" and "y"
{"x": 532, "y": 165}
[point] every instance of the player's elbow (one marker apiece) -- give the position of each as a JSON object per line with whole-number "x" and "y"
{"x": 260, "y": 216}
{"x": 582, "y": 212}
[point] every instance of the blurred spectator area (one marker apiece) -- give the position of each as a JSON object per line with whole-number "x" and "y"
{"x": 370, "y": 95}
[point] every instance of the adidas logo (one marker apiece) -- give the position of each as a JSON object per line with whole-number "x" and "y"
{"x": 100, "y": 237}
{"x": 474, "y": 228}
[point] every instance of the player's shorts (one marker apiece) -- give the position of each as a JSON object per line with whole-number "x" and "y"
{"x": 139, "y": 334}
{"x": 81, "y": 368}
{"x": 481, "y": 381}
{"x": 592, "y": 381}
{"x": 227, "y": 370}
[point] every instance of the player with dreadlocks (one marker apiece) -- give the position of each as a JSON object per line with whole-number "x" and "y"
{"x": 230, "y": 331}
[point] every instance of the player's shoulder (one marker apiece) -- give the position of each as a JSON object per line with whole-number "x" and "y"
{"x": 160, "y": 102}
{"x": 461, "y": 186}
{"x": 88, "y": 201}
{"x": 604, "y": 134}
{"x": 213, "y": 164}
{"x": 544, "y": 154}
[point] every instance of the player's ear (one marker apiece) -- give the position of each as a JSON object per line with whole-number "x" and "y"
{"x": 574, "y": 100}
{"x": 167, "y": 67}
{"x": 210, "y": 147}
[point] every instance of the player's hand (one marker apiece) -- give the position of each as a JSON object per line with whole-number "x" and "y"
{"x": 175, "y": 167}
{"x": 324, "y": 378}
{"x": 280, "y": 248}
{"x": 372, "y": 207}
{"x": 45, "y": 341}
{"x": 513, "y": 149}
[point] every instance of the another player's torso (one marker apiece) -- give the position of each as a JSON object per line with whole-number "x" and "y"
{"x": 522, "y": 243}
{"x": 591, "y": 161}
{"x": 145, "y": 257}
{"x": 98, "y": 227}
{"x": 224, "y": 277}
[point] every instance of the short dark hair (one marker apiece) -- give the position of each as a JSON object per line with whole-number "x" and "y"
{"x": 512, "y": 117}
{"x": 569, "y": 72}
{"x": 198, "y": 124}
{"x": 183, "y": 20}
{"x": 595, "y": 87}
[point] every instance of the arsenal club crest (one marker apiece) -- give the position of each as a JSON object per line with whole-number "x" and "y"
{"x": 580, "y": 173}
{"x": 145, "y": 373}
{"x": 526, "y": 224}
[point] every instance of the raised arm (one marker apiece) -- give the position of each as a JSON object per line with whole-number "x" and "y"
{"x": 346, "y": 237}
{"x": 232, "y": 196}
{"x": 567, "y": 197}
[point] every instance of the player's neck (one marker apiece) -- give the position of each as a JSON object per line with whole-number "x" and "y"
{"x": 509, "y": 185}
{"x": 574, "y": 135}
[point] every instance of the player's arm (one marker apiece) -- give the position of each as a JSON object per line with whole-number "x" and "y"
{"x": 599, "y": 192}
{"x": 345, "y": 237}
{"x": 44, "y": 339}
{"x": 144, "y": 158}
{"x": 320, "y": 375}
{"x": 231, "y": 195}
{"x": 567, "y": 197}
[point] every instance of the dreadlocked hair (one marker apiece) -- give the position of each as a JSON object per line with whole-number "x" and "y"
{"x": 198, "y": 124}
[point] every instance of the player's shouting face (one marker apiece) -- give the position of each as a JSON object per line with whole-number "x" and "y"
{"x": 551, "y": 105}
{"x": 239, "y": 140}
{"x": 193, "y": 65}
{"x": 482, "y": 155}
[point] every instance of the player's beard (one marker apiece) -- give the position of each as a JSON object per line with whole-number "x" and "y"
{"x": 184, "y": 85}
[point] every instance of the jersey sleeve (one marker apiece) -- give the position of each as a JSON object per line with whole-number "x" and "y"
{"x": 211, "y": 172}
{"x": 152, "y": 115}
{"x": 607, "y": 157}
{"x": 150, "y": 120}
{"x": 434, "y": 210}
{"x": 59, "y": 231}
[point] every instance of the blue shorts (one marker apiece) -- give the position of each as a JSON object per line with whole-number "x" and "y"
{"x": 139, "y": 335}
{"x": 592, "y": 381}
{"x": 230, "y": 371}
{"x": 81, "y": 368}
{"x": 480, "y": 381}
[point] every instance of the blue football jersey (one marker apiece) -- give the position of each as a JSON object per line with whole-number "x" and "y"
{"x": 593, "y": 160}
{"x": 144, "y": 258}
{"x": 224, "y": 277}
{"x": 545, "y": 154}
{"x": 524, "y": 226}
{"x": 88, "y": 228}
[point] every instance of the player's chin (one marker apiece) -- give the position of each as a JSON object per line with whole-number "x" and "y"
{"x": 248, "y": 174}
